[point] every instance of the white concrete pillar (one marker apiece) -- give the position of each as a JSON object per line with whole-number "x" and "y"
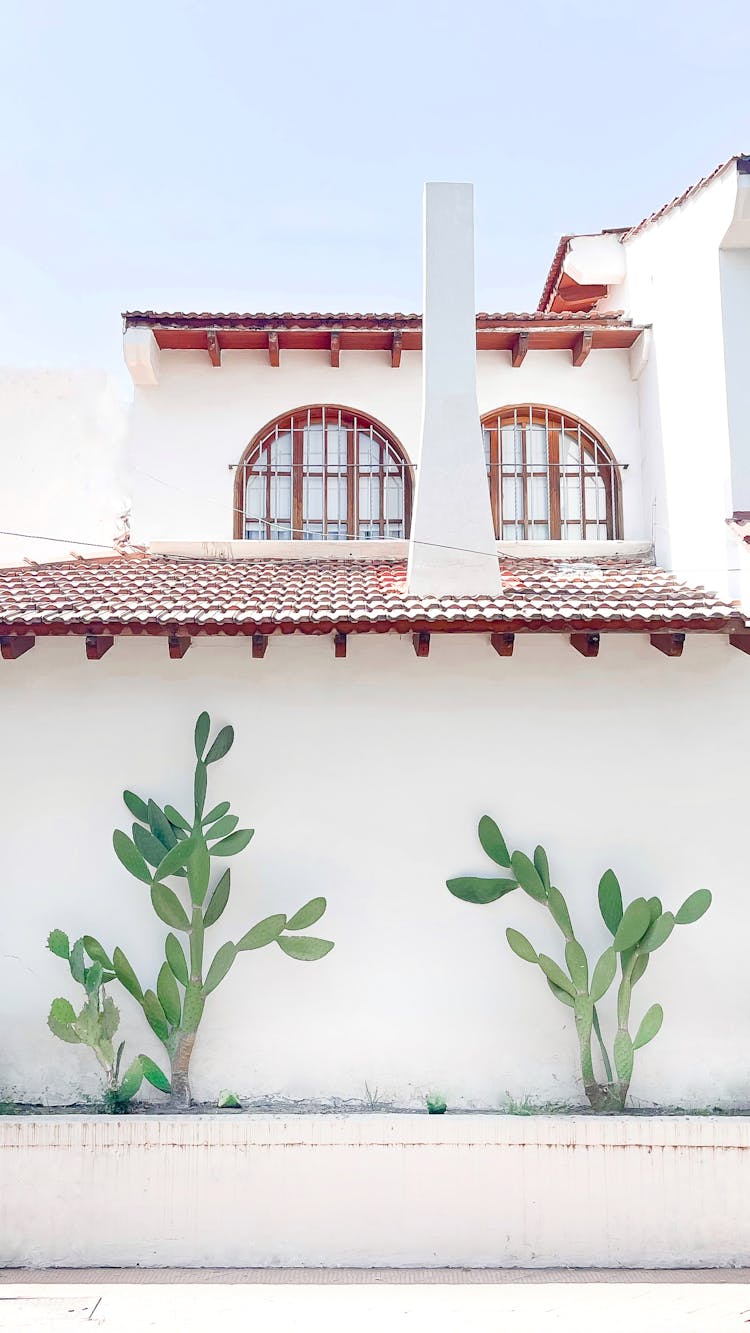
{"x": 452, "y": 547}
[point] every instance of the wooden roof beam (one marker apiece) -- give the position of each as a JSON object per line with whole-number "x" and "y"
{"x": 669, "y": 644}
{"x": 214, "y": 348}
{"x": 421, "y": 641}
{"x": 519, "y": 348}
{"x": 741, "y": 641}
{"x": 97, "y": 645}
{"x": 396, "y": 347}
{"x": 178, "y": 645}
{"x": 503, "y": 644}
{"x": 585, "y": 644}
{"x": 581, "y": 347}
{"x": 339, "y": 645}
{"x": 13, "y": 646}
{"x": 335, "y": 348}
{"x": 273, "y": 347}
{"x": 260, "y": 643}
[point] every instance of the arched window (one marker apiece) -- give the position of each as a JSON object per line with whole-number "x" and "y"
{"x": 550, "y": 477}
{"x": 324, "y": 473}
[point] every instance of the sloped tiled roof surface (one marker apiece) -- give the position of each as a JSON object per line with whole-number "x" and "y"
{"x": 289, "y": 319}
{"x": 241, "y": 596}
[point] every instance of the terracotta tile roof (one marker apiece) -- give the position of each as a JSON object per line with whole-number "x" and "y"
{"x": 156, "y": 593}
{"x": 288, "y": 319}
{"x": 681, "y": 198}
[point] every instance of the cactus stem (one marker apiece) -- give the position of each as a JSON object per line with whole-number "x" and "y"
{"x": 180, "y": 1070}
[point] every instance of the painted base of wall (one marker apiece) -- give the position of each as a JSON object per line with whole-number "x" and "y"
{"x": 374, "y": 1190}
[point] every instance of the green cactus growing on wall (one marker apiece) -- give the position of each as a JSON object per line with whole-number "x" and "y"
{"x": 165, "y": 845}
{"x": 98, "y": 1020}
{"x": 637, "y": 932}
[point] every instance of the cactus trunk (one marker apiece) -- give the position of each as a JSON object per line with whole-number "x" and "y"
{"x": 180, "y": 1070}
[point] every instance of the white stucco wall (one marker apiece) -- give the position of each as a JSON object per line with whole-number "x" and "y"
{"x": 61, "y": 440}
{"x": 364, "y": 779}
{"x": 186, "y": 431}
{"x": 673, "y": 283}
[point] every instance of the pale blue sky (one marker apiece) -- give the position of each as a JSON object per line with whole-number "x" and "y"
{"x": 197, "y": 154}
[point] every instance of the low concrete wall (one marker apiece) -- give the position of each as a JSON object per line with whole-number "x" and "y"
{"x": 397, "y": 1190}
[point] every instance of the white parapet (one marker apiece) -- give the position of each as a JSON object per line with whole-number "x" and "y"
{"x": 238, "y": 1190}
{"x": 141, "y": 352}
{"x": 452, "y": 542}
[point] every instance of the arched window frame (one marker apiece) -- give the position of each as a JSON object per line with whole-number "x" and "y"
{"x": 597, "y": 461}
{"x": 354, "y": 422}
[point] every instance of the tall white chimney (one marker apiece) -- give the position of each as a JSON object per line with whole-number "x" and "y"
{"x": 452, "y": 546}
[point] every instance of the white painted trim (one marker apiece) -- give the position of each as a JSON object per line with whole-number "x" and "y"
{"x": 368, "y": 1190}
{"x": 142, "y": 357}
{"x": 392, "y": 550}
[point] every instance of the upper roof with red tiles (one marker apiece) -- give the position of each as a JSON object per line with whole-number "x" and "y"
{"x": 627, "y": 233}
{"x": 157, "y": 594}
{"x": 288, "y": 319}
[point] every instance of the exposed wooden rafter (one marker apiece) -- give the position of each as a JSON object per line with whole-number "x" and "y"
{"x": 396, "y": 346}
{"x": 214, "y": 348}
{"x": 260, "y": 643}
{"x": 97, "y": 645}
{"x": 503, "y": 644}
{"x": 669, "y": 644}
{"x": 421, "y": 641}
{"x": 585, "y": 644}
{"x": 519, "y": 348}
{"x": 273, "y": 347}
{"x": 582, "y": 346}
{"x": 15, "y": 645}
{"x": 178, "y": 645}
{"x": 741, "y": 641}
{"x": 335, "y": 348}
{"x": 339, "y": 645}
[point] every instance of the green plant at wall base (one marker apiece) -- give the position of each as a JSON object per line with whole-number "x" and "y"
{"x": 166, "y": 845}
{"x": 98, "y": 1020}
{"x": 637, "y": 932}
{"x": 436, "y": 1103}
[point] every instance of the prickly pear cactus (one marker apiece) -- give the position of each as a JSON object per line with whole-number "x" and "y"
{"x": 174, "y": 857}
{"x": 97, "y": 1022}
{"x": 637, "y": 932}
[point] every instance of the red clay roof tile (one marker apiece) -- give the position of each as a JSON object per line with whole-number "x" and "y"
{"x": 156, "y": 592}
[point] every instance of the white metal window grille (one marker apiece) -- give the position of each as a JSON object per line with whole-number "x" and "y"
{"x": 550, "y": 477}
{"x": 324, "y": 474}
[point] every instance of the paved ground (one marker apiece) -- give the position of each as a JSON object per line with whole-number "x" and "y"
{"x": 412, "y": 1301}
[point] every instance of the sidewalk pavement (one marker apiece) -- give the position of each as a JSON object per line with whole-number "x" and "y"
{"x": 369, "y": 1301}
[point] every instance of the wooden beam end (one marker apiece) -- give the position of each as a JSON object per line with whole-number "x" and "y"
{"x": 503, "y": 644}
{"x": 273, "y": 348}
{"x": 259, "y": 645}
{"x": 214, "y": 348}
{"x": 178, "y": 645}
{"x": 396, "y": 348}
{"x": 421, "y": 641}
{"x": 339, "y": 645}
{"x": 519, "y": 348}
{"x": 582, "y": 346}
{"x": 13, "y": 646}
{"x": 585, "y": 644}
{"x": 97, "y": 645}
{"x": 671, "y": 645}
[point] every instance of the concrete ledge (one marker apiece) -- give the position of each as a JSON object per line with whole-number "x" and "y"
{"x": 363, "y": 1190}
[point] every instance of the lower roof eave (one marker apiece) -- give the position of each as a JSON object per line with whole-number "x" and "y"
{"x": 247, "y": 628}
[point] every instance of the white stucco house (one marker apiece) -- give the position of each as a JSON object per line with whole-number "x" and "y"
{"x": 430, "y": 567}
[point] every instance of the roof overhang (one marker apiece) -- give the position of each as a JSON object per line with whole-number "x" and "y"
{"x": 391, "y": 334}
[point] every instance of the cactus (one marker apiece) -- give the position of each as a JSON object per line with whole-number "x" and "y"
{"x": 96, "y": 1024}
{"x": 165, "y": 845}
{"x": 637, "y": 932}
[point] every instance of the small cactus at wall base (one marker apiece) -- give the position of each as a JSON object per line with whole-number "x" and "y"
{"x": 637, "y": 932}
{"x": 436, "y": 1103}
{"x": 98, "y": 1020}
{"x": 166, "y": 845}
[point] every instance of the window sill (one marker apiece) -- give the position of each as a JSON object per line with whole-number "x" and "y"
{"x": 395, "y": 550}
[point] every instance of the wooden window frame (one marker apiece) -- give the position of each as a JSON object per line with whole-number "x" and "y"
{"x": 597, "y": 460}
{"x": 296, "y": 422}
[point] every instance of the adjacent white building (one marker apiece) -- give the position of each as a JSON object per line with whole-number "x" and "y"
{"x": 430, "y": 569}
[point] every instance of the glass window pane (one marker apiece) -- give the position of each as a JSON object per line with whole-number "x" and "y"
{"x": 369, "y": 496}
{"x": 312, "y": 446}
{"x": 255, "y": 496}
{"x": 511, "y": 446}
{"x": 394, "y": 497}
{"x": 536, "y": 446}
{"x": 369, "y": 451}
{"x": 512, "y": 498}
{"x": 281, "y": 450}
{"x": 336, "y": 492}
{"x": 336, "y": 439}
{"x": 312, "y": 497}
